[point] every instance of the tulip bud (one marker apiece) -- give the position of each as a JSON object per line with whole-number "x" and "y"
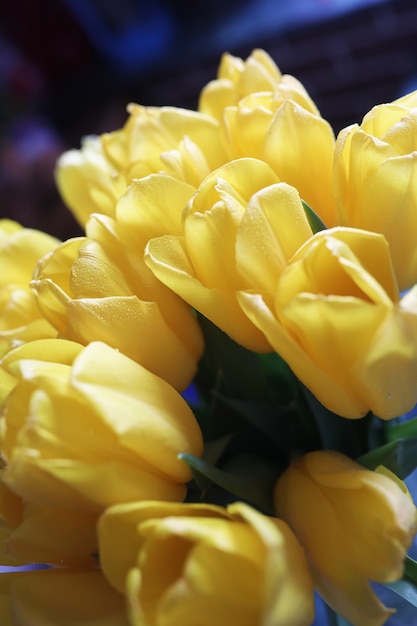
{"x": 338, "y": 321}
{"x": 269, "y": 116}
{"x": 228, "y": 566}
{"x": 231, "y": 228}
{"x": 354, "y": 524}
{"x": 98, "y": 288}
{"x": 183, "y": 143}
{"x": 375, "y": 180}
{"x": 85, "y": 428}
{"x": 237, "y": 79}
{"x": 20, "y": 250}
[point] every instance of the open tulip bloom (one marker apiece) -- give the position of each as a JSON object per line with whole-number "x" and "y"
{"x": 208, "y": 400}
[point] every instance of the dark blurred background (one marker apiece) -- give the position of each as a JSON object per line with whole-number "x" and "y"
{"x": 69, "y": 67}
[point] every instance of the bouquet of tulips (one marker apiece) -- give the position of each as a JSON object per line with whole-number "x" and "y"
{"x": 206, "y": 399}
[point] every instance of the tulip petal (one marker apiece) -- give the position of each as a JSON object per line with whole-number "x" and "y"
{"x": 120, "y": 538}
{"x": 161, "y": 416}
{"x": 273, "y": 227}
{"x": 20, "y": 250}
{"x": 337, "y": 398}
{"x": 373, "y": 171}
{"x": 167, "y": 258}
{"x": 215, "y": 533}
{"x": 53, "y": 535}
{"x": 283, "y": 592}
{"x": 206, "y": 572}
{"x": 67, "y": 483}
{"x": 59, "y": 596}
{"x": 152, "y": 206}
{"x": 78, "y": 172}
{"x": 131, "y": 325}
{"x": 296, "y": 137}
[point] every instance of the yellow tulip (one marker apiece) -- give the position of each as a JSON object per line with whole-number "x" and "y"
{"x": 180, "y": 142}
{"x": 230, "y": 228}
{"x": 137, "y": 423}
{"x": 85, "y": 428}
{"x": 33, "y": 533}
{"x": 182, "y": 564}
{"x": 270, "y": 116}
{"x": 60, "y": 596}
{"x": 355, "y": 525}
{"x": 337, "y": 319}
{"x": 20, "y": 250}
{"x": 375, "y": 180}
{"x": 98, "y": 288}
{"x": 88, "y": 181}
{"x": 297, "y": 143}
{"x": 237, "y": 79}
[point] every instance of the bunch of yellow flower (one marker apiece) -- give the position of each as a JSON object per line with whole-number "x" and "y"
{"x": 199, "y": 397}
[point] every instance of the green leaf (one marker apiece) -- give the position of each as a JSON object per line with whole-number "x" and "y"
{"x": 401, "y": 430}
{"x": 405, "y": 589}
{"x": 260, "y": 416}
{"x": 214, "y": 449}
{"x": 410, "y": 569}
{"x": 228, "y": 366}
{"x": 280, "y": 379}
{"x": 247, "y": 478}
{"x": 398, "y": 456}
{"x": 215, "y": 418}
{"x": 313, "y": 219}
{"x": 336, "y": 432}
{"x": 201, "y": 474}
{"x": 281, "y": 426}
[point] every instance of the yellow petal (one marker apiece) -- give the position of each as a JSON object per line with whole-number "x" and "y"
{"x": 20, "y": 250}
{"x": 73, "y": 484}
{"x": 151, "y": 411}
{"x": 79, "y": 172}
{"x": 379, "y": 171}
{"x": 271, "y": 230}
{"x": 207, "y": 590}
{"x": 296, "y": 137}
{"x": 168, "y": 259}
{"x": 46, "y": 598}
{"x": 53, "y": 535}
{"x": 338, "y": 399}
{"x": 153, "y": 206}
{"x": 130, "y": 325}
{"x": 119, "y": 537}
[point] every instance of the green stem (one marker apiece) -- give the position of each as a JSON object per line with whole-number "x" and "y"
{"x": 410, "y": 570}
{"x": 338, "y": 433}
